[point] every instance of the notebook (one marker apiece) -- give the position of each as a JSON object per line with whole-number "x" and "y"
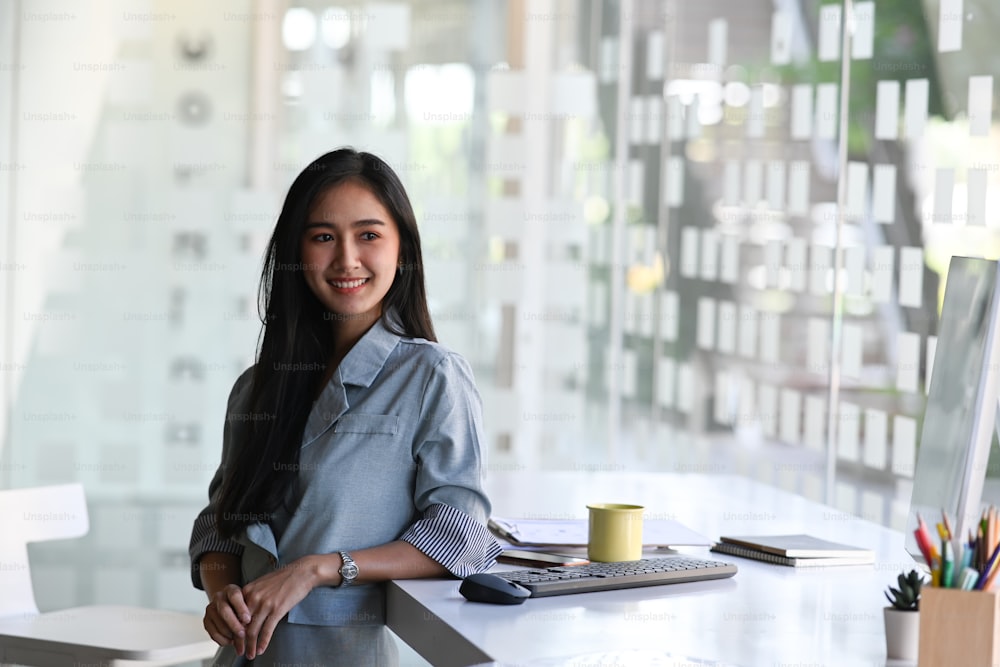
{"x": 794, "y": 550}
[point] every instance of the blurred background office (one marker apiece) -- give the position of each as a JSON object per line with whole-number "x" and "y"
{"x": 688, "y": 237}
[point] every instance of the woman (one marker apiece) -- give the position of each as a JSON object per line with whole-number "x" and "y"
{"x": 351, "y": 448}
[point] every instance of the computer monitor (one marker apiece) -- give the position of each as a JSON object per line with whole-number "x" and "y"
{"x": 961, "y": 407}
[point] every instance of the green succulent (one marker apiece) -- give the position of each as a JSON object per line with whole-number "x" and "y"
{"x": 907, "y": 596}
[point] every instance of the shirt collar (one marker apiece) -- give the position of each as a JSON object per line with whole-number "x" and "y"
{"x": 366, "y": 359}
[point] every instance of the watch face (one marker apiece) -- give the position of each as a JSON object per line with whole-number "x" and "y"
{"x": 349, "y": 571}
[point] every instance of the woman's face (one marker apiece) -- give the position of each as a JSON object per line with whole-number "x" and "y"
{"x": 350, "y": 252}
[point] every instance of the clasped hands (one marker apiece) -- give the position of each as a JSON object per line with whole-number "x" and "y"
{"x": 245, "y": 617}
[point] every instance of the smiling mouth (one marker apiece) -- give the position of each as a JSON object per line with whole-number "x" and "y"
{"x": 348, "y": 284}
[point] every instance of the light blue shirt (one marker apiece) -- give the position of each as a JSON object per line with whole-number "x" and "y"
{"x": 390, "y": 451}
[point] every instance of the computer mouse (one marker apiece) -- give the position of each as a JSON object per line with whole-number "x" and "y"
{"x": 485, "y": 587}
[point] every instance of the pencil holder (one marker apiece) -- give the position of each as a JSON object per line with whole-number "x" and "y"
{"x": 959, "y": 625}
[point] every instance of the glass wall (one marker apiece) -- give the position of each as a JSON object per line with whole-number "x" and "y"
{"x": 689, "y": 237}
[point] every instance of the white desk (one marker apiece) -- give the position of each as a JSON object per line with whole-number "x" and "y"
{"x": 104, "y": 635}
{"x": 766, "y": 615}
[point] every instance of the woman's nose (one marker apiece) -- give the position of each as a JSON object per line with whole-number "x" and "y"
{"x": 346, "y": 254}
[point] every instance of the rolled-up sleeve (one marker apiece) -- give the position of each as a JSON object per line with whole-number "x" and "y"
{"x": 204, "y": 536}
{"x": 449, "y": 490}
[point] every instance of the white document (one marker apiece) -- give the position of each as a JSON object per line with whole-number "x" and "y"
{"x": 573, "y": 533}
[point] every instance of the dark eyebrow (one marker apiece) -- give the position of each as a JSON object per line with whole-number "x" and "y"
{"x": 371, "y": 222}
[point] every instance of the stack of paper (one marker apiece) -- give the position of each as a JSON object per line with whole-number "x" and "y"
{"x": 573, "y": 533}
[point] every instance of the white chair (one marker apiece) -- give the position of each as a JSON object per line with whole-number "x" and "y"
{"x": 93, "y": 635}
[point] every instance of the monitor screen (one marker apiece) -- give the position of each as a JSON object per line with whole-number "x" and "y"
{"x": 961, "y": 405}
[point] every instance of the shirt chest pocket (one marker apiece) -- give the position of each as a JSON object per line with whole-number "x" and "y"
{"x": 367, "y": 424}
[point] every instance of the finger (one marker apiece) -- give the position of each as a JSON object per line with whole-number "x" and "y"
{"x": 266, "y": 631}
{"x": 250, "y": 634}
{"x": 253, "y": 633}
{"x": 240, "y": 644}
{"x": 239, "y": 605}
{"x": 218, "y": 636}
{"x": 227, "y": 617}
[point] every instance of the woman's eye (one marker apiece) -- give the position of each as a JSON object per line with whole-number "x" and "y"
{"x": 369, "y": 236}
{"x": 323, "y": 238}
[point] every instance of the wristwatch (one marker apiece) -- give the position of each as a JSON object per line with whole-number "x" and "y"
{"x": 348, "y": 570}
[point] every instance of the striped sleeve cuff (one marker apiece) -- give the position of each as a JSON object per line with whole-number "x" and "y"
{"x": 204, "y": 539}
{"x": 454, "y": 539}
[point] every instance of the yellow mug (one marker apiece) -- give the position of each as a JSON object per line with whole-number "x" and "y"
{"x": 615, "y": 532}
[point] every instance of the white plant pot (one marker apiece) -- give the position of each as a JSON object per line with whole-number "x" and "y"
{"x": 902, "y": 634}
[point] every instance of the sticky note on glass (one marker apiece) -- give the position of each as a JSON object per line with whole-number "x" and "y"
{"x": 781, "y": 38}
{"x": 883, "y": 269}
{"x": 776, "y": 185}
{"x": 689, "y": 252}
{"x": 717, "y": 34}
{"x": 818, "y": 345}
{"x": 819, "y": 270}
{"x": 931, "y": 350}
{"x": 770, "y": 338}
{"x": 944, "y": 186}
{"x": 669, "y": 319}
{"x": 727, "y": 327}
{"x": 802, "y": 111}
{"x": 730, "y": 273}
{"x": 795, "y": 263}
{"x": 857, "y": 189}
{"x": 815, "y": 422}
{"x": 706, "y": 323}
{"x": 637, "y": 114}
{"x": 673, "y": 181}
{"x": 876, "y": 425}
{"x": 915, "y": 112}
{"x": 798, "y": 188}
{"x": 854, "y": 261}
{"x": 773, "y": 250}
{"x": 980, "y": 105}
{"x": 863, "y": 39}
{"x": 975, "y": 208}
{"x": 951, "y": 15}
{"x": 608, "y": 61}
{"x": 755, "y": 114}
{"x": 767, "y": 401}
{"x": 752, "y": 182}
{"x": 908, "y": 361}
{"x": 791, "y": 411}
{"x": 654, "y": 55}
{"x": 654, "y": 119}
{"x": 884, "y": 193}
{"x": 911, "y": 277}
{"x": 826, "y": 109}
{"x": 692, "y": 119}
{"x": 829, "y": 33}
{"x": 685, "y": 388}
{"x": 731, "y": 183}
{"x": 848, "y": 431}
{"x": 887, "y": 110}
{"x": 851, "y": 351}
{"x": 675, "y": 118}
{"x": 748, "y": 332}
{"x": 904, "y": 445}
{"x": 666, "y": 378}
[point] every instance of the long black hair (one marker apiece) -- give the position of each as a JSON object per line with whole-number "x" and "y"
{"x": 296, "y": 339}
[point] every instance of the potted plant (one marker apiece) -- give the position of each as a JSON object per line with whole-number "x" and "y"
{"x": 902, "y": 619}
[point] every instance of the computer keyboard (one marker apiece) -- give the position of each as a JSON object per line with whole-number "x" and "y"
{"x": 612, "y": 576}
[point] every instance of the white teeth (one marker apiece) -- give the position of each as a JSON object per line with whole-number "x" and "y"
{"x": 348, "y": 284}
